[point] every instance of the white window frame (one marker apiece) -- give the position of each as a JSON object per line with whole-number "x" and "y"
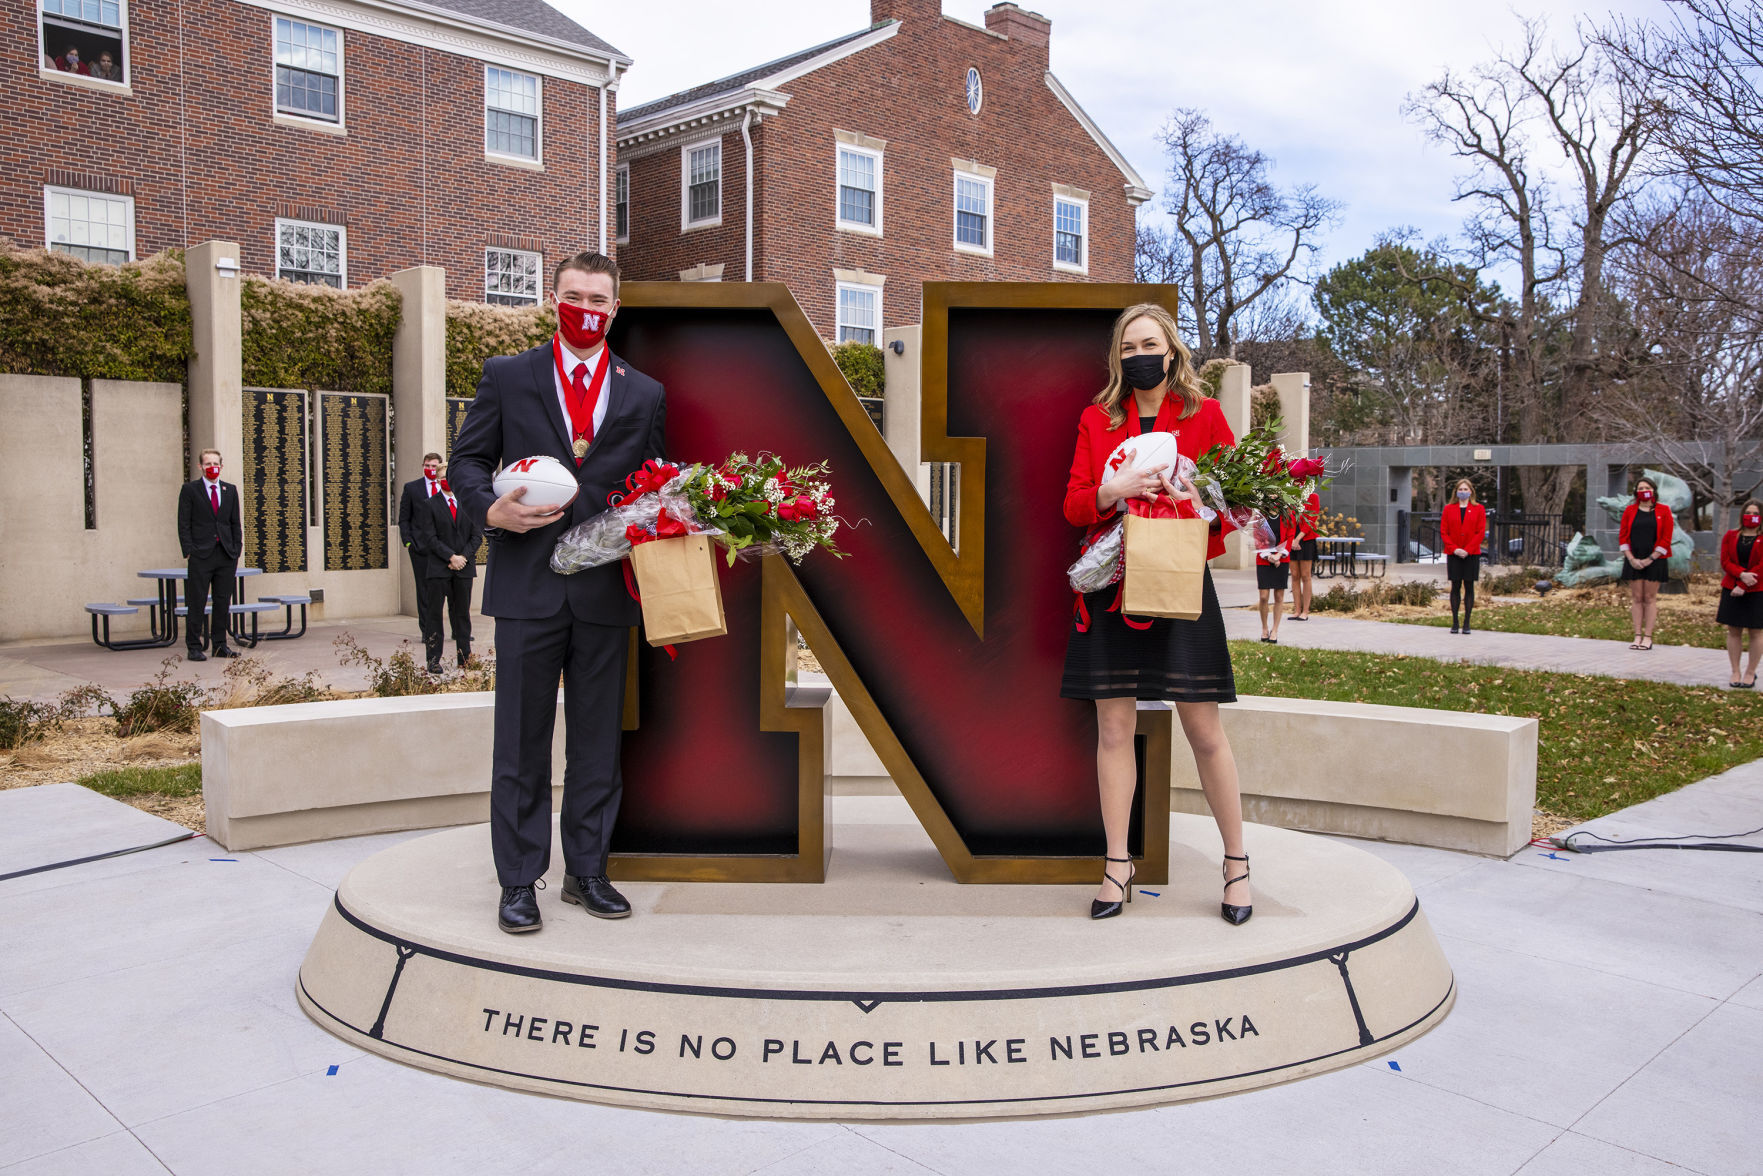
{"x": 538, "y": 274}
{"x": 839, "y": 222}
{"x": 1082, "y": 266}
{"x": 44, "y": 55}
{"x": 686, "y": 223}
{"x": 621, "y": 175}
{"x": 51, "y": 191}
{"x": 535, "y": 161}
{"x": 289, "y": 118}
{"x": 282, "y": 222}
{"x": 839, "y": 323}
{"x": 990, "y": 183}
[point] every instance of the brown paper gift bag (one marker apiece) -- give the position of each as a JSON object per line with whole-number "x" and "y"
{"x": 1165, "y": 567}
{"x": 682, "y": 597}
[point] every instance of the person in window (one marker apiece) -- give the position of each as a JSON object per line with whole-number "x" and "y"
{"x": 1463, "y": 525}
{"x": 1741, "y": 592}
{"x": 106, "y": 68}
{"x": 69, "y": 61}
{"x": 1645, "y": 541}
{"x": 1114, "y": 660}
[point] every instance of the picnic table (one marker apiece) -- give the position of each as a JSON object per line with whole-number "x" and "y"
{"x": 164, "y": 611}
{"x": 1338, "y": 556}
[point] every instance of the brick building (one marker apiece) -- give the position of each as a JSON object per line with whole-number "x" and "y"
{"x": 336, "y": 140}
{"x": 922, "y": 148}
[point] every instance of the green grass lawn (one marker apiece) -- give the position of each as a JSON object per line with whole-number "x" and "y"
{"x": 1604, "y": 743}
{"x": 1573, "y": 619}
{"x": 181, "y": 780}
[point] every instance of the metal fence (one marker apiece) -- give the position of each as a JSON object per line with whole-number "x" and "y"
{"x": 1522, "y": 539}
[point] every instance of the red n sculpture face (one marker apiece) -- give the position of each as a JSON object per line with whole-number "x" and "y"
{"x": 949, "y": 660}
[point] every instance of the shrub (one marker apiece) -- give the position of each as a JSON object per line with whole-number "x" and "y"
{"x": 1211, "y": 375}
{"x": 1342, "y": 598}
{"x": 249, "y": 682}
{"x": 1339, "y": 598}
{"x": 308, "y": 336}
{"x": 476, "y": 331}
{"x": 22, "y": 722}
{"x": 863, "y": 367}
{"x": 1263, "y": 405}
{"x": 60, "y": 316}
{"x": 1518, "y": 581}
{"x": 161, "y": 705}
{"x": 397, "y": 677}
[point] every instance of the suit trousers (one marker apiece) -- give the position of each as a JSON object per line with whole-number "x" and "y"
{"x": 455, "y": 593}
{"x": 530, "y": 655}
{"x": 217, "y": 570}
{"x": 427, "y": 621}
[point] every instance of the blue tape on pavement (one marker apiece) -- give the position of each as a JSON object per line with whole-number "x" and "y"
{"x": 1557, "y": 857}
{"x": 331, "y": 1073}
{"x": 1393, "y": 1066}
{"x": 223, "y": 859}
{"x": 1152, "y": 893}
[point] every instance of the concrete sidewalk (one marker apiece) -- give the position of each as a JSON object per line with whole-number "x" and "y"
{"x": 1609, "y": 1020}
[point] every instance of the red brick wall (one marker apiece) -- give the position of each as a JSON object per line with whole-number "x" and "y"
{"x": 206, "y": 160}
{"x": 912, "y": 93}
{"x": 655, "y": 214}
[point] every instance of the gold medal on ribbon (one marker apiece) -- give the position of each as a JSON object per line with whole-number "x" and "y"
{"x": 580, "y": 448}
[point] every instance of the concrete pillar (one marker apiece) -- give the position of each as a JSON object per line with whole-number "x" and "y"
{"x": 1233, "y": 398}
{"x": 1400, "y": 497}
{"x": 905, "y": 400}
{"x": 1294, "y": 410}
{"x": 211, "y": 276}
{"x": 419, "y": 391}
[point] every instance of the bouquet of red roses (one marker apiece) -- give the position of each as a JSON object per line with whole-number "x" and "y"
{"x": 1255, "y": 478}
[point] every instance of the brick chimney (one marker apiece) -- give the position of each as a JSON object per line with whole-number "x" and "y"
{"x": 919, "y": 12}
{"x": 1025, "y": 28}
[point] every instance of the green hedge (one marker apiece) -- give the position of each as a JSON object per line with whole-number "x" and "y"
{"x": 476, "y": 331}
{"x": 863, "y": 367}
{"x": 302, "y": 336}
{"x": 60, "y": 316}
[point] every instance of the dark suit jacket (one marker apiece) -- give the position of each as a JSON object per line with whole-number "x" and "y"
{"x": 438, "y": 537}
{"x": 516, "y": 415}
{"x": 200, "y": 530}
{"x": 414, "y": 494}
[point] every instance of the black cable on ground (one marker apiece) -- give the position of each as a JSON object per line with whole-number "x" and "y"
{"x": 97, "y": 857}
{"x": 1705, "y": 841}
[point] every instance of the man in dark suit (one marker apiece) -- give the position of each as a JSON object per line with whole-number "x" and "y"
{"x": 448, "y": 539}
{"x": 419, "y": 490}
{"x": 573, "y": 400}
{"x": 212, "y": 536}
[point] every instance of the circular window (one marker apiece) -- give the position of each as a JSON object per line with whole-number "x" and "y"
{"x": 975, "y": 91}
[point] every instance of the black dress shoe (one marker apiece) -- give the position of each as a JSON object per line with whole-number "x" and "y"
{"x": 464, "y": 656}
{"x": 519, "y": 910}
{"x": 195, "y": 655}
{"x": 435, "y": 667}
{"x": 595, "y": 894}
{"x": 225, "y": 651}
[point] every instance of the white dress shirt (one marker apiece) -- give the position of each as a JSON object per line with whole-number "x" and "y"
{"x": 570, "y": 364}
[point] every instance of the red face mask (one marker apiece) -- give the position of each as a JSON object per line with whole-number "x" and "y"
{"x": 582, "y": 328}
{"x": 448, "y": 489}
{"x": 213, "y": 472}
{"x": 1753, "y": 520}
{"x": 431, "y": 475}
{"x": 1644, "y": 495}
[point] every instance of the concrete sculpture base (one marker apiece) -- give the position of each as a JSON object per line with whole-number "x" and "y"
{"x": 889, "y": 991}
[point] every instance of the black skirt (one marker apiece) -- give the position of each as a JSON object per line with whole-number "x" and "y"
{"x": 1463, "y": 567}
{"x": 1306, "y": 549}
{"x": 1172, "y": 661}
{"x": 1656, "y": 572}
{"x": 1275, "y": 576}
{"x": 1741, "y": 612}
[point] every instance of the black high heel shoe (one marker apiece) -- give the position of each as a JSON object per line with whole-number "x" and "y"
{"x": 1107, "y": 910}
{"x": 1235, "y": 915}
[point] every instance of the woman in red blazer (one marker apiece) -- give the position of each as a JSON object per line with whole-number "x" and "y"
{"x": 1304, "y": 556}
{"x": 1645, "y": 541}
{"x": 1272, "y": 571}
{"x": 1115, "y": 661}
{"x": 1463, "y": 525}
{"x": 1741, "y": 591}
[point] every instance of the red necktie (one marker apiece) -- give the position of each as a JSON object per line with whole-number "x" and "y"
{"x": 431, "y": 487}
{"x": 214, "y": 497}
{"x": 581, "y": 410}
{"x": 452, "y": 508}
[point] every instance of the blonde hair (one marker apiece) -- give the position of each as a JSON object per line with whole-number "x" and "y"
{"x": 1182, "y": 380}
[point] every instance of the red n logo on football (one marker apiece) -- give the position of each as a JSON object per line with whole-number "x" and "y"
{"x": 524, "y": 464}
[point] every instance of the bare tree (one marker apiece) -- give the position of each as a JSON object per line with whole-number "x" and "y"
{"x": 1234, "y": 236}
{"x": 1496, "y": 117}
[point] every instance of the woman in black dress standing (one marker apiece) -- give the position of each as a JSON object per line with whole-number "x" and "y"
{"x": 1741, "y": 591}
{"x": 1646, "y": 548}
{"x": 1116, "y": 660}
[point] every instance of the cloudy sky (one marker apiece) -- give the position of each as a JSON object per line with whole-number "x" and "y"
{"x": 1316, "y": 84}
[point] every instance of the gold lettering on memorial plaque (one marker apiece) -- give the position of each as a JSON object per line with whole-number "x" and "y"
{"x": 272, "y": 480}
{"x": 356, "y": 495}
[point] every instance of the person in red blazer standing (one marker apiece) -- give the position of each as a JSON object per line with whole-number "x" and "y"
{"x": 1272, "y": 571}
{"x": 1741, "y": 591}
{"x": 1645, "y": 541}
{"x": 1304, "y": 556}
{"x": 1115, "y": 661}
{"x": 1463, "y": 526}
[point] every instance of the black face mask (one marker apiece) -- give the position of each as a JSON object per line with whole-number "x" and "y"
{"x": 1142, "y": 372}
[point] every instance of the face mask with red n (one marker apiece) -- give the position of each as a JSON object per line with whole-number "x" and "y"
{"x": 582, "y": 328}
{"x": 1644, "y": 494}
{"x": 1752, "y": 520}
{"x": 211, "y": 472}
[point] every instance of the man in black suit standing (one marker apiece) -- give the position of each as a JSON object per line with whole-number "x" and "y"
{"x": 573, "y": 400}
{"x": 211, "y": 535}
{"x": 447, "y": 538}
{"x": 417, "y": 491}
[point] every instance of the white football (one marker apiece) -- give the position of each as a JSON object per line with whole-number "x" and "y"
{"x": 548, "y": 481}
{"x": 1144, "y": 452}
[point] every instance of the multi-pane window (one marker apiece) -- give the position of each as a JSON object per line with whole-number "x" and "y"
{"x": 621, "y": 203}
{"x": 859, "y": 188}
{"x": 1069, "y": 232}
{"x": 703, "y": 182}
{"x": 308, "y": 252}
{"x": 973, "y": 212}
{"x": 308, "y": 70}
{"x": 84, "y": 38}
{"x": 511, "y": 113}
{"x": 511, "y": 277}
{"x": 859, "y": 315}
{"x": 89, "y": 225}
